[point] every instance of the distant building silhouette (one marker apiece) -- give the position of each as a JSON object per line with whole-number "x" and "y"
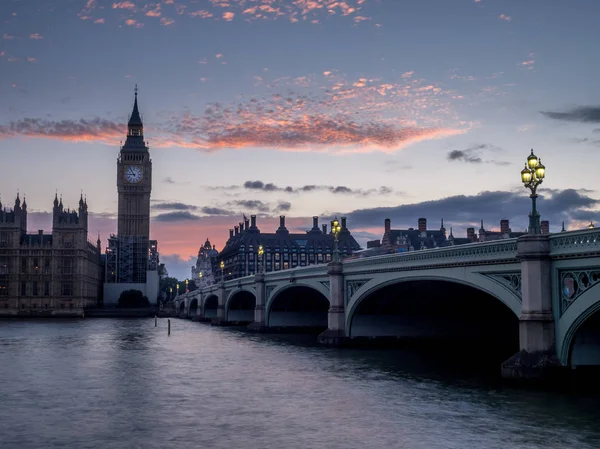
{"x": 206, "y": 264}
{"x": 282, "y": 249}
{"x": 48, "y": 274}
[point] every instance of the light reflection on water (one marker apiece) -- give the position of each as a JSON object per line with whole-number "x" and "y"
{"x": 124, "y": 384}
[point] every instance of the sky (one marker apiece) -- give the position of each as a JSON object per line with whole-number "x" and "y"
{"x": 368, "y": 109}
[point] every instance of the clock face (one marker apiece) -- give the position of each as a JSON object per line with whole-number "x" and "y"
{"x": 133, "y": 174}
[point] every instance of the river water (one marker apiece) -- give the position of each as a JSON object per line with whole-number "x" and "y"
{"x": 110, "y": 383}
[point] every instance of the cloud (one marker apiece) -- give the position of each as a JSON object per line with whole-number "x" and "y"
{"x": 283, "y": 206}
{"x": 270, "y": 187}
{"x": 96, "y": 129}
{"x": 215, "y": 211}
{"x": 124, "y": 5}
{"x": 303, "y": 114}
{"x": 254, "y": 205}
{"x": 259, "y": 185}
{"x": 176, "y": 217}
{"x": 473, "y": 155}
{"x": 583, "y": 114}
{"x": 464, "y": 155}
{"x": 462, "y": 211}
{"x": 168, "y": 180}
{"x": 174, "y": 206}
{"x": 505, "y": 17}
{"x": 36, "y": 36}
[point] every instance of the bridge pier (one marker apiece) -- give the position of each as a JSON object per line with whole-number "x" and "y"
{"x": 537, "y": 353}
{"x": 335, "y": 335}
{"x": 221, "y": 318}
{"x": 260, "y": 320}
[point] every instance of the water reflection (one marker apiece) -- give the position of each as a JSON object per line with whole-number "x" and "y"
{"x": 124, "y": 383}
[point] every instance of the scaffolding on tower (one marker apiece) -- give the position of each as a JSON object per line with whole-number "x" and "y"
{"x": 127, "y": 259}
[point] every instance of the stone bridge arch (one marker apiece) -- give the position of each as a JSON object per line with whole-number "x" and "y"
{"x": 474, "y": 310}
{"x": 298, "y": 304}
{"x": 572, "y": 323}
{"x": 487, "y": 282}
{"x": 240, "y": 304}
{"x": 210, "y": 305}
{"x": 192, "y": 306}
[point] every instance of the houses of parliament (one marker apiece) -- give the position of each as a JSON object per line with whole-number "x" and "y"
{"x": 63, "y": 272}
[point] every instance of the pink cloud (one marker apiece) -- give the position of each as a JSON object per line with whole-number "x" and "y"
{"x": 322, "y": 114}
{"x": 123, "y": 5}
{"x": 505, "y": 17}
{"x": 165, "y": 21}
{"x": 36, "y": 36}
{"x": 99, "y": 20}
{"x": 228, "y": 16}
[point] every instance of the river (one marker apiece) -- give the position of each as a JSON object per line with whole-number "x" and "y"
{"x": 122, "y": 383}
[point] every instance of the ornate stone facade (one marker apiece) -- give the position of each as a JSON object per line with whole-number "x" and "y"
{"x": 202, "y": 273}
{"x": 282, "y": 249}
{"x": 48, "y": 274}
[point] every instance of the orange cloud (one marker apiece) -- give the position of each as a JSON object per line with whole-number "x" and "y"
{"x": 96, "y": 130}
{"x": 123, "y": 5}
{"x": 324, "y": 114}
{"x": 165, "y": 21}
{"x": 228, "y": 16}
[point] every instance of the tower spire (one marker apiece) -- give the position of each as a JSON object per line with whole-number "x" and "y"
{"x": 135, "y": 120}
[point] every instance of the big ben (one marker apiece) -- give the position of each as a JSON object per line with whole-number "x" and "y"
{"x": 134, "y": 184}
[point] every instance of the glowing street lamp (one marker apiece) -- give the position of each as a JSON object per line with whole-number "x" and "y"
{"x": 177, "y": 286}
{"x": 222, "y": 266}
{"x": 170, "y": 292}
{"x": 336, "y": 229}
{"x": 261, "y": 251}
{"x": 187, "y": 290}
{"x": 532, "y": 176}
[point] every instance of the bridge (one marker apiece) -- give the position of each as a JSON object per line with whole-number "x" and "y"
{"x": 541, "y": 293}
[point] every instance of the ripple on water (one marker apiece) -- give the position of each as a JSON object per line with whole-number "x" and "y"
{"x": 124, "y": 384}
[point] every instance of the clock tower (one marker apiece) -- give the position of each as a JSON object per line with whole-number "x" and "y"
{"x": 134, "y": 180}
{"x": 134, "y": 184}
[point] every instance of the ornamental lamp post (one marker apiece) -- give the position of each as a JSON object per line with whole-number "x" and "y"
{"x": 177, "y": 289}
{"x": 532, "y": 176}
{"x": 187, "y": 290}
{"x": 222, "y": 266}
{"x": 261, "y": 251}
{"x": 336, "y": 229}
{"x": 170, "y": 293}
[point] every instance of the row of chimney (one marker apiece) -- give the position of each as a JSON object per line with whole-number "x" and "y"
{"x": 504, "y": 227}
{"x": 250, "y": 225}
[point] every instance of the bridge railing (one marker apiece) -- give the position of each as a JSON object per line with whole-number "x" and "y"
{"x": 575, "y": 243}
{"x": 497, "y": 250}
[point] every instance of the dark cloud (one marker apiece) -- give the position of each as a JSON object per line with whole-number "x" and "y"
{"x": 283, "y": 206}
{"x": 174, "y": 206}
{"x": 463, "y": 211}
{"x": 270, "y": 187}
{"x": 464, "y": 155}
{"x": 473, "y": 154}
{"x": 597, "y": 130}
{"x": 259, "y": 185}
{"x": 251, "y": 204}
{"x": 215, "y": 211}
{"x": 96, "y": 129}
{"x": 583, "y": 114}
{"x": 170, "y": 217}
